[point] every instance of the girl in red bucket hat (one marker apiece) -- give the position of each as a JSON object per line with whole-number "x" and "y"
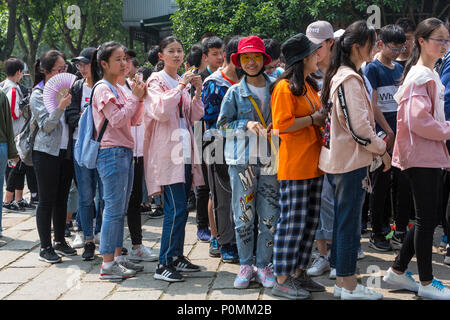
{"x": 246, "y": 118}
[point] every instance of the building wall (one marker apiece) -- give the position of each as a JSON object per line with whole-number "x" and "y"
{"x": 136, "y": 10}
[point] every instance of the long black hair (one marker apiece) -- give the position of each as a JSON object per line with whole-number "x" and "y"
{"x": 46, "y": 63}
{"x": 294, "y": 74}
{"x": 163, "y": 44}
{"x": 424, "y": 30}
{"x": 102, "y": 53}
{"x": 358, "y": 32}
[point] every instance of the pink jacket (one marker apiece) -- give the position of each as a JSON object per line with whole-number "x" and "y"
{"x": 345, "y": 154}
{"x": 122, "y": 113}
{"x": 161, "y": 118}
{"x": 421, "y": 126}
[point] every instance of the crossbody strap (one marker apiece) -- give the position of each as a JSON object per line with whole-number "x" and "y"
{"x": 341, "y": 95}
{"x": 263, "y": 122}
{"x": 105, "y": 123}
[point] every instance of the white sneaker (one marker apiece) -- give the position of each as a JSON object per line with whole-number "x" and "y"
{"x": 361, "y": 254}
{"x": 337, "y": 291}
{"x": 403, "y": 281}
{"x": 319, "y": 266}
{"x": 97, "y": 238}
{"x": 360, "y": 293}
{"x": 435, "y": 290}
{"x": 143, "y": 254}
{"x": 332, "y": 275}
{"x": 79, "y": 241}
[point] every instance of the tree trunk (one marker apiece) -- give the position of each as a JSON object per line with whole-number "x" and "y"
{"x": 11, "y": 34}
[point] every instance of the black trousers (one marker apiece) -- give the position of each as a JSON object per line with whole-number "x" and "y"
{"x": 134, "y": 205}
{"x": 15, "y": 177}
{"x": 202, "y": 197}
{"x": 382, "y": 186}
{"x": 54, "y": 177}
{"x": 426, "y": 186}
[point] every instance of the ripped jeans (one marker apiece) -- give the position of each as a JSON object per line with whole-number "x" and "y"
{"x": 253, "y": 192}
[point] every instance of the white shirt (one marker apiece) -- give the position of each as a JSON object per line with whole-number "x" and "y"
{"x": 137, "y": 132}
{"x": 86, "y": 96}
{"x": 65, "y": 133}
{"x": 185, "y": 139}
{"x": 260, "y": 92}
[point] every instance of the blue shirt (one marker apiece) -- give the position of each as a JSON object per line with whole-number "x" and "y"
{"x": 385, "y": 80}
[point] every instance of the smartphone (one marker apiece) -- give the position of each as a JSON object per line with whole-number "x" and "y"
{"x": 139, "y": 77}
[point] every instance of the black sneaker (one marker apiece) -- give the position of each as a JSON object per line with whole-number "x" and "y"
{"x": 89, "y": 251}
{"x": 397, "y": 240}
{"x": 158, "y": 213}
{"x": 49, "y": 255}
{"x": 168, "y": 273}
{"x": 183, "y": 264}
{"x": 25, "y": 205}
{"x": 379, "y": 242}
{"x": 64, "y": 249}
{"x": 305, "y": 282}
{"x": 12, "y": 206}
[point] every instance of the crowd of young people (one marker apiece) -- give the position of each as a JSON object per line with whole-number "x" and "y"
{"x": 295, "y": 138}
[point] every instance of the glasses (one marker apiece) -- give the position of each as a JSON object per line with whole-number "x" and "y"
{"x": 80, "y": 66}
{"x": 257, "y": 57}
{"x": 396, "y": 50}
{"x": 61, "y": 70}
{"x": 443, "y": 42}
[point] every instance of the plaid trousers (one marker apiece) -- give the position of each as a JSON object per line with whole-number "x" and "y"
{"x": 296, "y": 227}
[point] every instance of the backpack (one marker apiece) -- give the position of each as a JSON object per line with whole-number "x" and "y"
{"x": 25, "y": 139}
{"x": 86, "y": 148}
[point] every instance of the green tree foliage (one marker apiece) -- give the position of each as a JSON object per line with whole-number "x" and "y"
{"x": 283, "y": 18}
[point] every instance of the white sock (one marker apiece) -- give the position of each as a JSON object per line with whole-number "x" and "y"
{"x": 34, "y": 195}
{"x": 107, "y": 265}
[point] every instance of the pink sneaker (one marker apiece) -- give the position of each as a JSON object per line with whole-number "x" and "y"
{"x": 265, "y": 277}
{"x": 246, "y": 274}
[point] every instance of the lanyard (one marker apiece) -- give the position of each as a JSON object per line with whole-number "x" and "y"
{"x": 226, "y": 78}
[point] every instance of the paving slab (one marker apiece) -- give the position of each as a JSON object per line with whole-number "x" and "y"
{"x": 190, "y": 289}
{"x": 89, "y": 291}
{"x": 19, "y": 275}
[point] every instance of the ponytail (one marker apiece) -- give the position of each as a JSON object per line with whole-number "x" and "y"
{"x": 95, "y": 70}
{"x": 38, "y": 75}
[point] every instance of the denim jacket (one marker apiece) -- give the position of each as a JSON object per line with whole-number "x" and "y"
{"x": 236, "y": 111}
{"x": 49, "y": 135}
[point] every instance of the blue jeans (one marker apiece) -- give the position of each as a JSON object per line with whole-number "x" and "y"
{"x": 253, "y": 193}
{"x": 175, "y": 218}
{"x": 3, "y": 164}
{"x": 116, "y": 171}
{"x": 349, "y": 198}
{"x": 325, "y": 228}
{"x": 87, "y": 180}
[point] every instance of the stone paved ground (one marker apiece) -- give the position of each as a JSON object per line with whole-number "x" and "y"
{"x": 23, "y": 276}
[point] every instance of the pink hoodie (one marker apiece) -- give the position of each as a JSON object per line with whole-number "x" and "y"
{"x": 161, "y": 118}
{"x": 421, "y": 126}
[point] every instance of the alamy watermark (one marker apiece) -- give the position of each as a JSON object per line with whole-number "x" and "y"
{"x": 74, "y": 20}
{"x": 375, "y": 16}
